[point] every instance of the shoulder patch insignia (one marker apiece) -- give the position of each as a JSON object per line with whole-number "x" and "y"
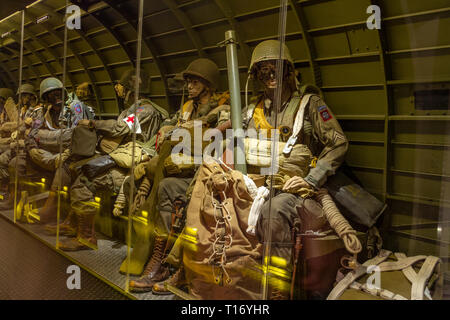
{"x": 324, "y": 114}
{"x": 139, "y": 110}
{"x": 78, "y": 108}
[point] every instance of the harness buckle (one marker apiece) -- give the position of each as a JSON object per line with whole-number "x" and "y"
{"x": 289, "y": 144}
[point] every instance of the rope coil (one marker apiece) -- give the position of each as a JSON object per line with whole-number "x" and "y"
{"x": 141, "y": 195}
{"x": 120, "y": 202}
{"x": 339, "y": 223}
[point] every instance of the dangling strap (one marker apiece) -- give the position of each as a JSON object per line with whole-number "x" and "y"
{"x": 298, "y": 124}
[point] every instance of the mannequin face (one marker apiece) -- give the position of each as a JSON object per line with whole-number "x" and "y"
{"x": 267, "y": 74}
{"x": 196, "y": 87}
{"x": 28, "y": 100}
{"x": 54, "y": 97}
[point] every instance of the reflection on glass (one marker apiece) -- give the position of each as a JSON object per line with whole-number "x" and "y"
{"x": 158, "y": 204}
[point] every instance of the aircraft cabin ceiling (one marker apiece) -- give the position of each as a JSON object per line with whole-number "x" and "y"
{"x": 329, "y": 41}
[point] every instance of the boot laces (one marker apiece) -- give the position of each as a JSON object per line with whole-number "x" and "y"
{"x": 156, "y": 256}
{"x": 175, "y": 279}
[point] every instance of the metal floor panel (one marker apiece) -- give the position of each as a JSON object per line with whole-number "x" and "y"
{"x": 104, "y": 262}
{"x": 30, "y": 270}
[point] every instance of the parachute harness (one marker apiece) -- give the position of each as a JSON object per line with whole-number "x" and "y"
{"x": 218, "y": 183}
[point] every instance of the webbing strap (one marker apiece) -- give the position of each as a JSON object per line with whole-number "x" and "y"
{"x": 298, "y": 124}
{"x": 400, "y": 264}
{"x": 424, "y": 274}
{"x": 409, "y": 272}
{"x": 339, "y": 289}
{"x": 382, "y": 293}
{"x": 411, "y": 275}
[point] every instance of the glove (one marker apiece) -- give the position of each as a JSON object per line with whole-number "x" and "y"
{"x": 139, "y": 170}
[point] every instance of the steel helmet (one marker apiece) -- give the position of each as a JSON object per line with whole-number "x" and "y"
{"x": 269, "y": 50}
{"x": 128, "y": 80}
{"x": 48, "y": 85}
{"x": 6, "y": 93}
{"x": 205, "y": 69}
{"x": 26, "y": 88}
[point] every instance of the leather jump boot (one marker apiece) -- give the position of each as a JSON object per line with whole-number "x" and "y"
{"x": 67, "y": 228}
{"x": 85, "y": 239}
{"x": 155, "y": 271}
{"x": 49, "y": 211}
{"x": 176, "y": 280}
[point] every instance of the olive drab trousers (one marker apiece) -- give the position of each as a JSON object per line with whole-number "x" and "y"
{"x": 83, "y": 190}
{"x": 170, "y": 190}
{"x": 48, "y": 161}
{"x": 288, "y": 211}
